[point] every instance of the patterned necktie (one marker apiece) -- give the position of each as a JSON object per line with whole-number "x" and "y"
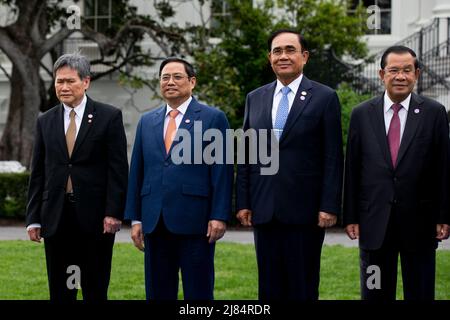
{"x": 71, "y": 135}
{"x": 171, "y": 129}
{"x": 394, "y": 134}
{"x": 282, "y": 113}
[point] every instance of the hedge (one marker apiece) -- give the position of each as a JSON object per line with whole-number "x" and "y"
{"x": 13, "y": 194}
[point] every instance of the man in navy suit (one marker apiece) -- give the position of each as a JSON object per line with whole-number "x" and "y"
{"x": 178, "y": 210}
{"x": 290, "y": 209}
{"x": 396, "y": 182}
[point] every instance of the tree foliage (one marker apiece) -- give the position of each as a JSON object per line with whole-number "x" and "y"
{"x": 36, "y": 30}
{"x": 239, "y": 62}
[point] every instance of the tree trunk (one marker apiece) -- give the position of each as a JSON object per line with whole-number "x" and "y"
{"x": 18, "y": 136}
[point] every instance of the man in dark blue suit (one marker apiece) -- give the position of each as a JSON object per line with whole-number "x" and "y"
{"x": 290, "y": 209}
{"x": 178, "y": 210}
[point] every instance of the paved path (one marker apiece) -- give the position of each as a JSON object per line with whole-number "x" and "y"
{"x": 332, "y": 237}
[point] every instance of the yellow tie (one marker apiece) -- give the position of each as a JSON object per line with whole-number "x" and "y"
{"x": 171, "y": 129}
{"x": 71, "y": 135}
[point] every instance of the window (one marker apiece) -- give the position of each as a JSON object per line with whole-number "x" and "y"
{"x": 219, "y": 11}
{"x": 384, "y": 11}
{"x": 98, "y": 14}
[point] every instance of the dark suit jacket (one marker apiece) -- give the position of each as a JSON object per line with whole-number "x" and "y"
{"x": 309, "y": 179}
{"x": 98, "y": 168}
{"x": 416, "y": 187}
{"x": 187, "y": 195}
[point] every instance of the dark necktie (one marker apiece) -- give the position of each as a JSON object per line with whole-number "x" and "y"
{"x": 394, "y": 133}
{"x": 71, "y": 135}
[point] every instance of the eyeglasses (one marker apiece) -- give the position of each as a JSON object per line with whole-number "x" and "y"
{"x": 176, "y": 77}
{"x": 289, "y": 51}
{"x": 396, "y": 71}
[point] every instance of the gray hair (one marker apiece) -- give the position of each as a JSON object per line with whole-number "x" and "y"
{"x": 74, "y": 61}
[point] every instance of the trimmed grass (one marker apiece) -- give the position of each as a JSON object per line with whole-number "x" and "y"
{"x": 23, "y": 274}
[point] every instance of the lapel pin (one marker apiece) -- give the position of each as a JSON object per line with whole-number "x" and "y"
{"x": 416, "y": 111}
{"x": 302, "y": 97}
{"x": 187, "y": 121}
{"x": 303, "y": 93}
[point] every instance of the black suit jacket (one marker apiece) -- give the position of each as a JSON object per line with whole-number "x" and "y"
{"x": 310, "y": 172}
{"x": 416, "y": 188}
{"x": 98, "y": 168}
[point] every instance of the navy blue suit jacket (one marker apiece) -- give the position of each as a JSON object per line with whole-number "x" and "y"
{"x": 310, "y": 172}
{"x": 187, "y": 195}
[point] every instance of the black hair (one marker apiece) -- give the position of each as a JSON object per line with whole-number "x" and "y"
{"x": 398, "y": 49}
{"x": 274, "y": 34}
{"x": 187, "y": 66}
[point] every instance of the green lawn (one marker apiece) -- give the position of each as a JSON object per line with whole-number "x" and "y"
{"x": 23, "y": 276}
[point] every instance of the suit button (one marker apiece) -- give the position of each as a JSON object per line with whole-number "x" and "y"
{"x": 395, "y": 201}
{"x": 166, "y": 164}
{"x": 395, "y": 179}
{"x": 70, "y": 165}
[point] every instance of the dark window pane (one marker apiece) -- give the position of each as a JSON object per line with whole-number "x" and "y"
{"x": 91, "y": 22}
{"x": 89, "y": 8}
{"x": 102, "y": 24}
{"x": 103, "y": 8}
{"x": 385, "y": 23}
{"x": 384, "y": 4}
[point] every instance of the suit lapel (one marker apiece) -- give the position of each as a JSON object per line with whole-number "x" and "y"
{"x": 192, "y": 114}
{"x": 412, "y": 121}
{"x": 89, "y": 118}
{"x": 158, "y": 128}
{"x": 59, "y": 128}
{"x": 297, "y": 106}
{"x": 267, "y": 99}
{"x": 377, "y": 120}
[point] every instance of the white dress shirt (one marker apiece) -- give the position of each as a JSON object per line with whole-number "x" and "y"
{"x": 182, "y": 108}
{"x": 79, "y": 111}
{"x": 389, "y": 113}
{"x": 294, "y": 85}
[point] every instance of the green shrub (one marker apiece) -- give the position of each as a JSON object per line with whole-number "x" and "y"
{"x": 349, "y": 99}
{"x": 13, "y": 194}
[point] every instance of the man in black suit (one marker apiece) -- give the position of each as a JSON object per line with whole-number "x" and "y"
{"x": 290, "y": 209}
{"x": 78, "y": 184}
{"x": 396, "y": 182}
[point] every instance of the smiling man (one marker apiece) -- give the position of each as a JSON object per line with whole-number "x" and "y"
{"x": 178, "y": 211}
{"x": 396, "y": 182}
{"x": 291, "y": 209}
{"x": 78, "y": 184}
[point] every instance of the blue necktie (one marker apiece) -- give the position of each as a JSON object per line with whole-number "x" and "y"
{"x": 282, "y": 113}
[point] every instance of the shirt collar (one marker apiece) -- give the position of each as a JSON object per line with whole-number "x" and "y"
{"x": 294, "y": 85}
{"x": 79, "y": 109}
{"x": 388, "y": 102}
{"x": 182, "y": 108}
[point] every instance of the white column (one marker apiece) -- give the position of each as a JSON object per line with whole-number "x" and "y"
{"x": 441, "y": 8}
